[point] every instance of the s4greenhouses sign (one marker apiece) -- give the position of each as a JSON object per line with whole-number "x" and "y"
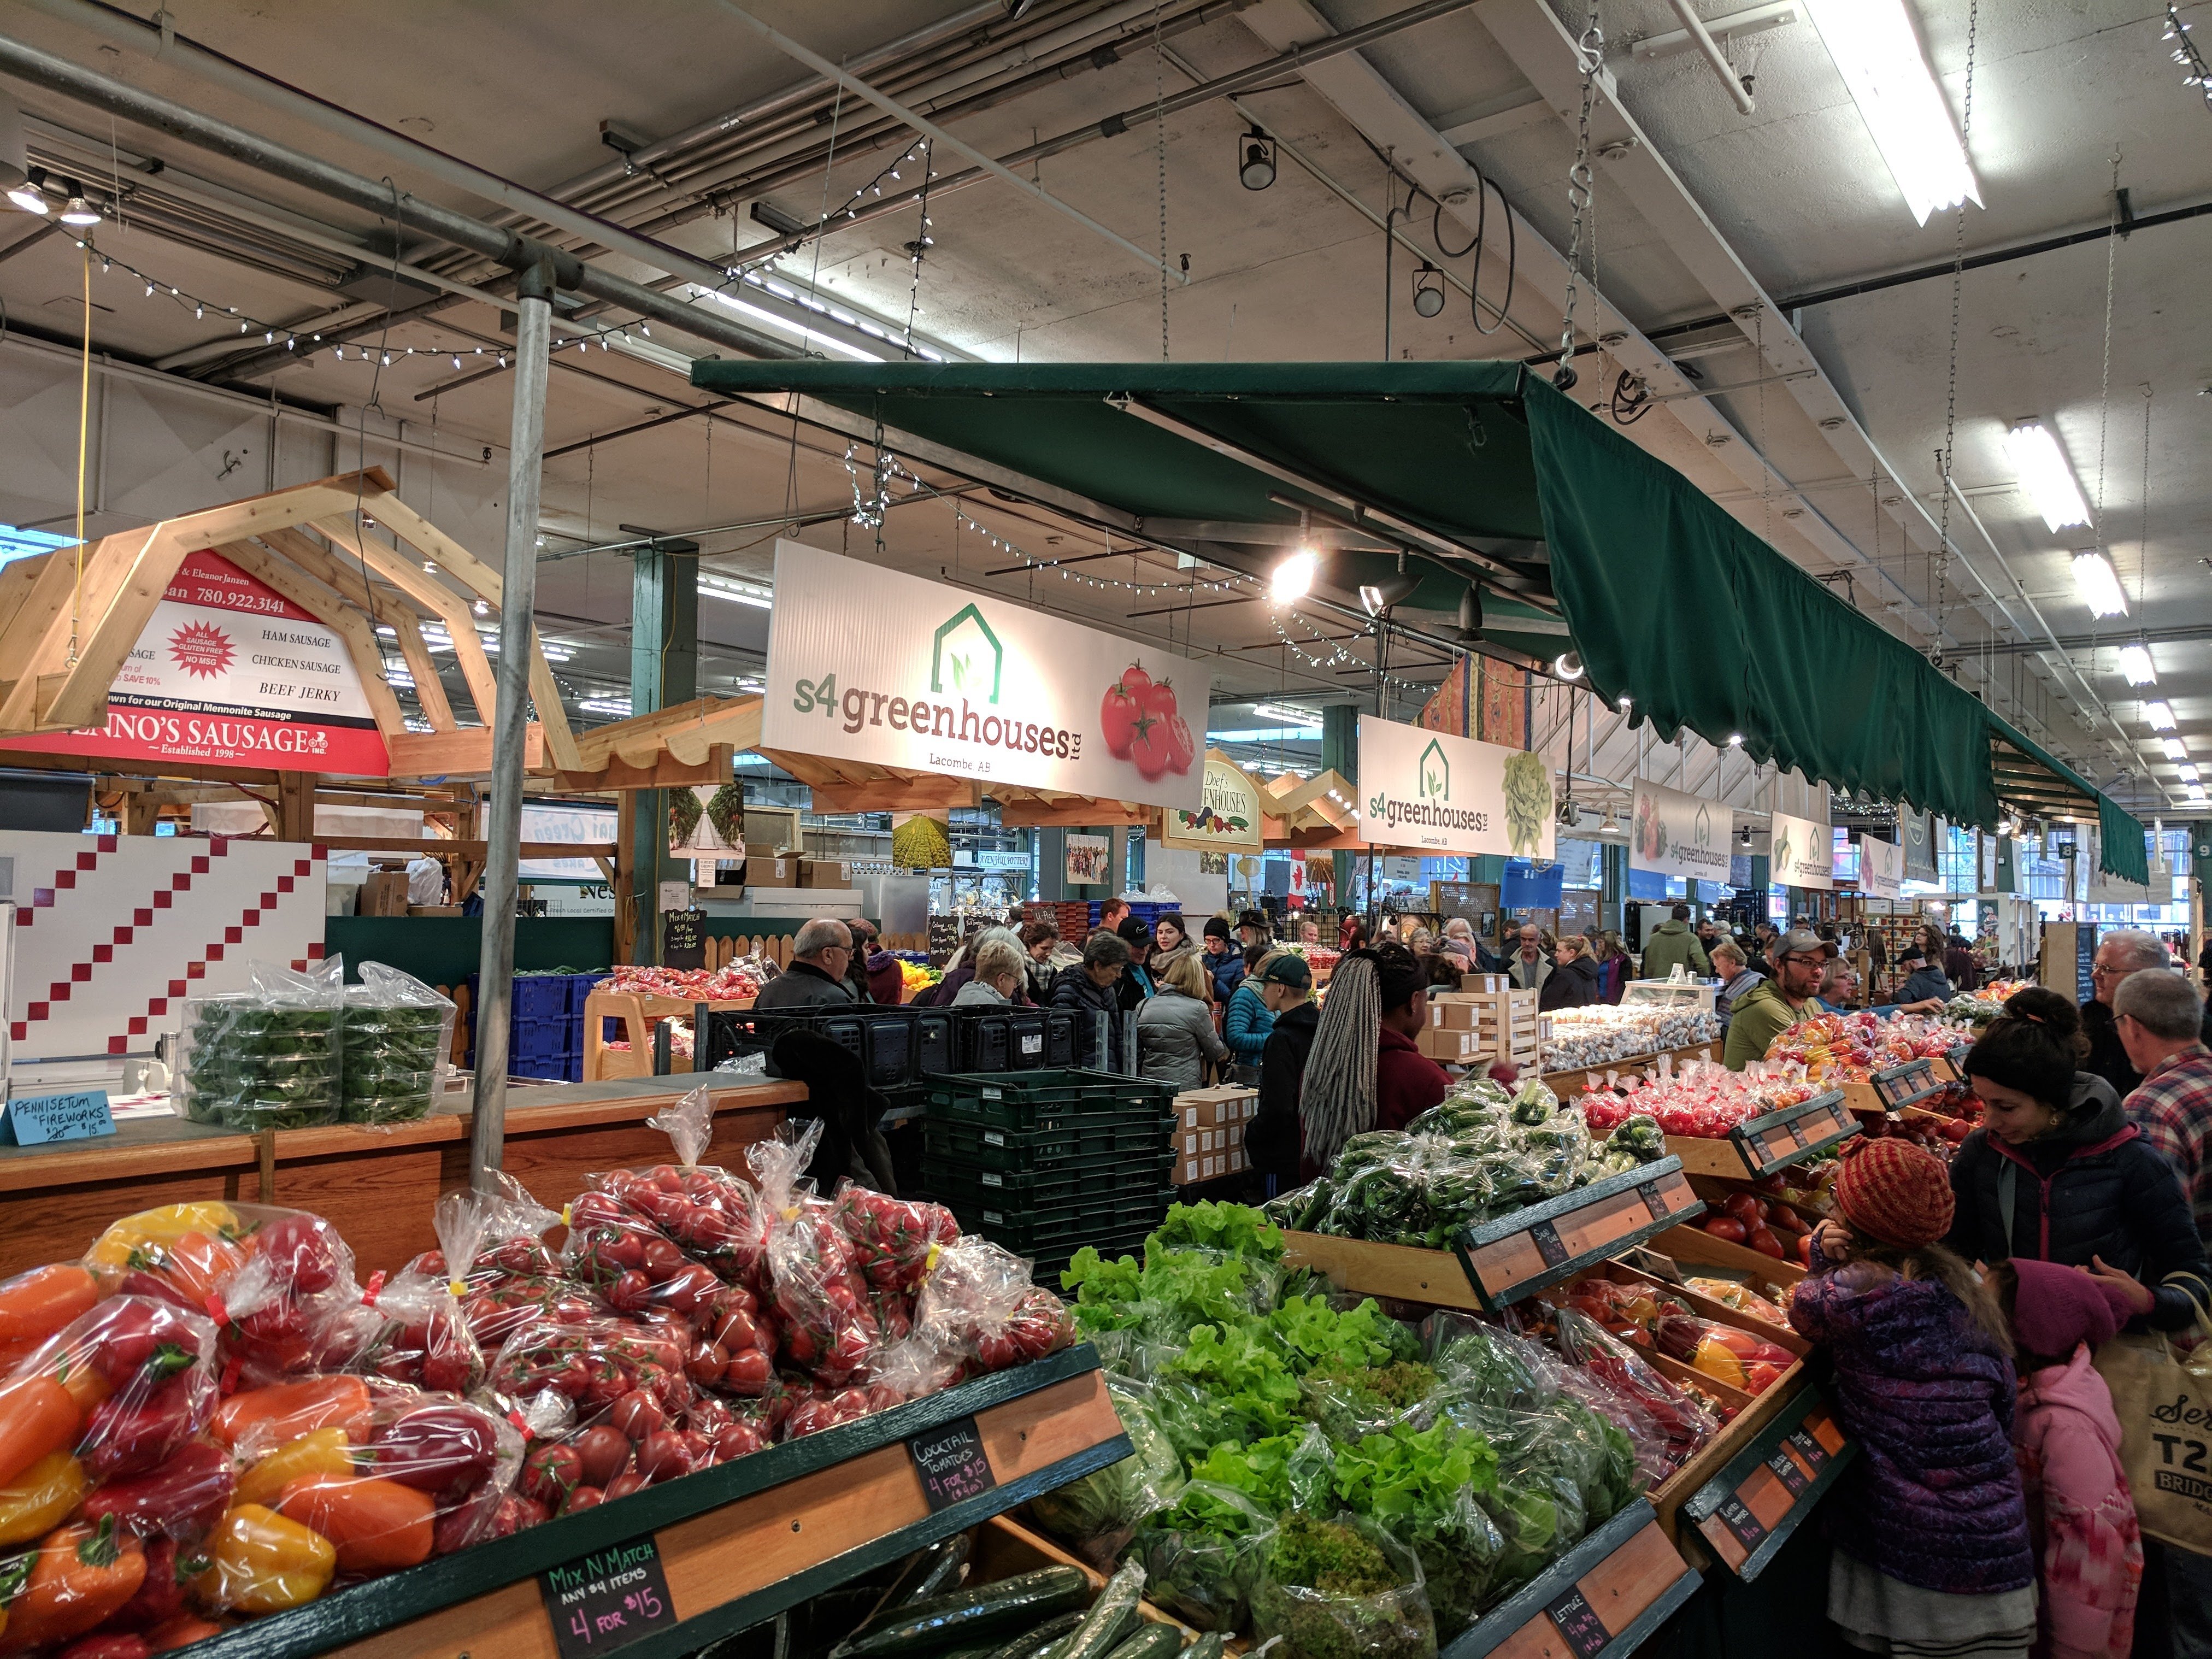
{"x": 1442, "y": 794}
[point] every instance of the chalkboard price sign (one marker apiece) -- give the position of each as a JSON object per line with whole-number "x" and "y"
{"x": 684, "y": 939}
{"x": 1579, "y": 1624}
{"x": 608, "y": 1599}
{"x": 1737, "y": 1518}
{"x": 952, "y": 1463}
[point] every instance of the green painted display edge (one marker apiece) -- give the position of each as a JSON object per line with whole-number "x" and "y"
{"x": 1529, "y": 1602}
{"x": 1701, "y": 1503}
{"x": 381, "y": 1604}
{"x": 1746, "y": 1132}
{"x": 1467, "y": 1240}
{"x": 1874, "y": 1078}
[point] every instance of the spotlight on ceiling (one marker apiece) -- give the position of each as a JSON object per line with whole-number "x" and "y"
{"x": 1292, "y": 578}
{"x": 17, "y": 176}
{"x": 1428, "y": 290}
{"x": 1735, "y": 740}
{"x": 1256, "y": 167}
{"x": 1568, "y": 665}
{"x": 1383, "y": 592}
{"x": 1743, "y": 838}
{"x": 77, "y": 210}
{"x": 28, "y": 196}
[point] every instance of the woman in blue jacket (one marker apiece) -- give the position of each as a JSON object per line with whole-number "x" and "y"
{"x": 1245, "y": 1027}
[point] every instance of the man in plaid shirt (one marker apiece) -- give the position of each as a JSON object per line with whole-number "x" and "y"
{"x": 2159, "y": 1020}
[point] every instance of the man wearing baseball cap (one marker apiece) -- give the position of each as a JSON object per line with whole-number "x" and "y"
{"x": 1768, "y": 1009}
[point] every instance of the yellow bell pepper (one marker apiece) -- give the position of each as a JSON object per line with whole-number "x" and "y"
{"x": 327, "y": 1451}
{"x": 159, "y": 1228}
{"x": 260, "y": 1562}
{"x": 40, "y": 1498}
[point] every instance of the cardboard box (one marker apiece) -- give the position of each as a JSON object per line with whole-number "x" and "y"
{"x": 771, "y": 872}
{"x": 384, "y": 894}
{"x": 1224, "y": 1105}
{"x": 824, "y": 873}
{"x": 1449, "y": 1048}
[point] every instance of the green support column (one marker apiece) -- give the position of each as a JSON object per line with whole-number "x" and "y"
{"x": 1340, "y": 753}
{"x": 664, "y": 671}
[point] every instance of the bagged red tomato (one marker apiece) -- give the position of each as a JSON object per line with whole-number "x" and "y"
{"x": 816, "y": 1292}
{"x": 412, "y": 1330}
{"x": 140, "y": 1375}
{"x": 504, "y": 1229}
{"x": 894, "y": 1241}
{"x": 980, "y": 1303}
{"x": 709, "y": 1213}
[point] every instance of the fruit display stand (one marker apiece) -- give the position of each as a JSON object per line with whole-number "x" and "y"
{"x": 670, "y": 1569}
{"x": 1760, "y": 1145}
{"x": 639, "y": 1014}
{"x": 1896, "y": 1087}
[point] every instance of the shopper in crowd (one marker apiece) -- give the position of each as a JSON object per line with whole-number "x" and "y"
{"x": 1252, "y": 929}
{"x": 2081, "y": 1515}
{"x": 2161, "y": 1021}
{"x": 1767, "y": 1010}
{"x": 1112, "y": 913}
{"x": 1839, "y": 988}
{"x": 1614, "y": 965}
{"x": 1932, "y": 1553}
{"x": 1137, "y": 982}
{"x": 1673, "y": 945}
{"x": 1422, "y": 943}
{"x": 1171, "y": 942}
{"x": 1272, "y": 1142}
{"x": 2204, "y": 959}
{"x": 1925, "y": 988}
{"x": 1573, "y": 980}
{"x": 1000, "y": 976}
{"x": 1308, "y": 932}
{"x": 1932, "y": 940}
{"x": 1092, "y": 987}
{"x": 1960, "y": 966}
{"x": 1246, "y": 1023}
{"x": 856, "y": 971}
{"x": 1337, "y": 1099}
{"x": 1352, "y": 933}
{"x": 1531, "y": 964}
{"x": 963, "y": 968}
{"x": 1736, "y": 980}
{"x": 2057, "y": 1173}
{"x": 1710, "y": 932}
{"x": 1175, "y": 1038}
{"x": 1406, "y": 1081}
{"x": 816, "y": 977}
{"x": 2120, "y": 953}
{"x": 1761, "y": 959}
{"x": 1225, "y": 963}
{"x": 1040, "y": 942}
{"x": 886, "y": 982}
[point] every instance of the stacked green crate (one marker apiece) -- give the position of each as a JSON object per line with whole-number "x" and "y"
{"x": 1045, "y": 1163}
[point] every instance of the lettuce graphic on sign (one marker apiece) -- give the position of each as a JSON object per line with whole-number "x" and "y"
{"x": 1528, "y": 800}
{"x": 966, "y": 650}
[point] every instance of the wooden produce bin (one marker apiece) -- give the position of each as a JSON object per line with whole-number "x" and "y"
{"x": 1569, "y": 1083}
{"x": 1761, "y": 1145}
{"x": 735, "y": 1544}
{"x": 1774, "y": 1472}
{"x": 639, "y": 1013}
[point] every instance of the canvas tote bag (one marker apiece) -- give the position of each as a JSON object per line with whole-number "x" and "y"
{"x": 2163, "y": 1399}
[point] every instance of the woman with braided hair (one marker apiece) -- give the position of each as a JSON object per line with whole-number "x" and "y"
{"x": 1365, "y": 1072}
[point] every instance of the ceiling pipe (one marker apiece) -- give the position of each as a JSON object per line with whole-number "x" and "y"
{"x": 515, "y": 252}
{"x": 1710, "y": 49}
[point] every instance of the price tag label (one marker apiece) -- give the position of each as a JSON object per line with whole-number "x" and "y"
{"x": 1653, "y": 1200}
{"x": 1737, "y": 1518}
{"x": 608, "y": 1599}
{"x": 952, "y": 1463}
{"x": 34, "y": 1119}
{"x": 1809, "y": 1449}
{"x": 1579, "y": 1624}
{"x": 1549, "y": 1245}
{"x": 1787, "y": 1471}
{"x": 1796, "y": 1128}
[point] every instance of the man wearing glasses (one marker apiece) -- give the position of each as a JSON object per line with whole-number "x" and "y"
{"x": 2119, "y": 953}
{"x": 1772, "y": 1006}
{"x": 816, "y": 978}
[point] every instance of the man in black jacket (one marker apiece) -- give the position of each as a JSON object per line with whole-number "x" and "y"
{"x": 1090, "y": 987}
{"x": 816, "y": 977}
{"x": 1574, "y": 978}
{"x": 1274, "y": 1139}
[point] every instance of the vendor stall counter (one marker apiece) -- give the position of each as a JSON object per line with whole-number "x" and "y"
{"x": 378, "y": 1185}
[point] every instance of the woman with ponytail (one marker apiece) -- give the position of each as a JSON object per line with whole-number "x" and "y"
{"x": 2057, "y": 1173}
{"x": 1365, "y": 1072}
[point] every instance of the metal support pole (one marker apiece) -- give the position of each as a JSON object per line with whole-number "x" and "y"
{"x": 664, "y": 671}
{"x": 503, "y": 818}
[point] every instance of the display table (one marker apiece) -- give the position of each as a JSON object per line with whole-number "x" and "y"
{"x": 378, "y": 1186}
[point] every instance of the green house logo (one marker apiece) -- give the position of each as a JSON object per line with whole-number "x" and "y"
{"x": 1436, "y": 772}
{"x": 966, "y": 652}
{"x": 1701, "y": 832}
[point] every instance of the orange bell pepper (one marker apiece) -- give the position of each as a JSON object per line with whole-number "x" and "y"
{"x": 197, "y": 1266}
{"x": 378, "y": 1525}
{"x": 82, "y": 1576}
{"x": 40, "y": 1498}
{"x": 37, "y": 1415}
{"x": 286, "y": 1411}
{"x": 36, "y": 1304}
{"x": 258, "y": 1561}
{"x": 82, "y": 1383}
{"x": 327, "y": 1451}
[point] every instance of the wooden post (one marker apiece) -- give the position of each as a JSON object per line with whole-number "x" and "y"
{"x": 295, "y": 806}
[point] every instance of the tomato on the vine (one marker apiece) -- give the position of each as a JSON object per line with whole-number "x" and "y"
{"x": 1118, "y": 713}
{"x": 1134, "y": 678}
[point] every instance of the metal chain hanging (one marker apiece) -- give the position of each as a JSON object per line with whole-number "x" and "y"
{"x": 1951, "y": 394}
{"x": 1590, "y": 49}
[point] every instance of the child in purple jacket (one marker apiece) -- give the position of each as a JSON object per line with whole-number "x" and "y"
{"x": 1930, "y": 1531}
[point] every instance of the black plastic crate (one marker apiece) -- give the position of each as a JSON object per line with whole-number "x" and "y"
{"x": 1046, "y": 1195}
{"x": 884, "y": 1039}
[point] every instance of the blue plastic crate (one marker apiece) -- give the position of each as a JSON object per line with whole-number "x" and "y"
{"x": 579, "y": 987}
{"x": 539, "y": 996}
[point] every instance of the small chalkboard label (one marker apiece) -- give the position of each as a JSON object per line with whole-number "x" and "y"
{"x": 1579, "y": 1624}
{"x": 1733, "y": 1514}
{"x": 1653, "y": 1200}
{"x": 1809, "y": 1449}
{"x": 1796, "y": 1128}
{"x": 1549, "y": 1245}
{"x": 684, "y": 939}
{"x": 607, "y": 1599}
{"x": 1787, "y": 1471}
{"x": 34, "y": 1119}
{"x": 952, "y": 1463}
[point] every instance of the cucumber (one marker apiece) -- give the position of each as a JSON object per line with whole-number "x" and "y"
{"x": 1153, "y": 1640}
{"x": 1101, "y": 1629}
{"x": 965, "y": 1618}
{"x": 1032, "y": 1643}
{"x": 945, "y": 1573}
{"x": 1124, "y": 1628}
{"x": 1207, "y": 1646}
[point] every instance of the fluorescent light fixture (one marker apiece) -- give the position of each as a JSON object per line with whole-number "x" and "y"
{"x": 752, "y": 593}
{"x": 2160, "y": 714}
{"x": 2046, "y": 475}
{"x": 2136, "y": 664}
{"x": 619, "y": 706}
{"x": 1292, "y": 578}
{"x": 2099, "y": 588}
{"x": 2189, "y": 773}
{"x": 1288, "y": 713}
{"x": 2173, "y": 749}
{"x": 827, "y": 342}
{"x": 1879, "y": 58}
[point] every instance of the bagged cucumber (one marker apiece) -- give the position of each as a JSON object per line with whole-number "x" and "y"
{"x": 1032, "y": 1643}
{"x": 1207, "y": 1646}
{"x": 967, "y": 1617}
{"x": 1153, "y": 1640}
{"x": 1101, "y": 1630}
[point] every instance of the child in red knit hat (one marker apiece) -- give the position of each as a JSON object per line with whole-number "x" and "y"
{"x": 1930, "y": 1533}
{"x": 2080, "y": 1512}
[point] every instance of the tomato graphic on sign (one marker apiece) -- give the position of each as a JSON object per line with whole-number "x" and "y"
{"x": 202, "y": 650}
{"x": 1142, "y": 724}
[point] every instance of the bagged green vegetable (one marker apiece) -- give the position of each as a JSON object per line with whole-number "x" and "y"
{"x": 1202, "y": 1558}
{"x": 1098, "y": 1513}
{"x": 1342, "y": 1589}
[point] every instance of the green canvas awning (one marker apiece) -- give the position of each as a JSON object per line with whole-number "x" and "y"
{"x": 1476, "y": 471}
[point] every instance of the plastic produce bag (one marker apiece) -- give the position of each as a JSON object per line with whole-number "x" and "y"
{"x": 117, "y": 1391}
{"x": 1099, "y": 1513}
{"x": 1477, "y": 1361}
{"x": 1684, "y": 1421}
{"x": 267, "y": 1057}
{"x": 398, "y": 1036}
{"x": 818, "y": 1296}
{"x": 413, "y": 1329}
{"x": 507, "y": 1272}
{"x": 1341, "y": 1589}
{"x": 894, "y": 1242}
{"x": 979, "y": 1302}
{"x": 1722, "y": 1352}
{"x": 1201, "y": 1556}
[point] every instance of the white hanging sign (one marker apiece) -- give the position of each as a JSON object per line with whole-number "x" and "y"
{"x": 1800, "y": 854}
{"x": 1881, "y": 868}
{"x": 1444, "y": 794}
{"x": 1674, "y": 834}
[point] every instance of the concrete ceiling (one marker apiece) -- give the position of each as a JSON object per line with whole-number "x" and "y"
{"x": 1716, "y": 235}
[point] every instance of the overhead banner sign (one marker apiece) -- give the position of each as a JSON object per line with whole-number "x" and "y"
{"x": 1679, "y": 835}
{"x": 1800, "y": 854}
{"x": 1881, "y": 868}
{"x": 1918, "y": 835}
{"x": 1447, "y": 795}
{"x": 866, "y": 665}
{"x": 230, "y": 672}
{"x": 1228, "y": 816}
